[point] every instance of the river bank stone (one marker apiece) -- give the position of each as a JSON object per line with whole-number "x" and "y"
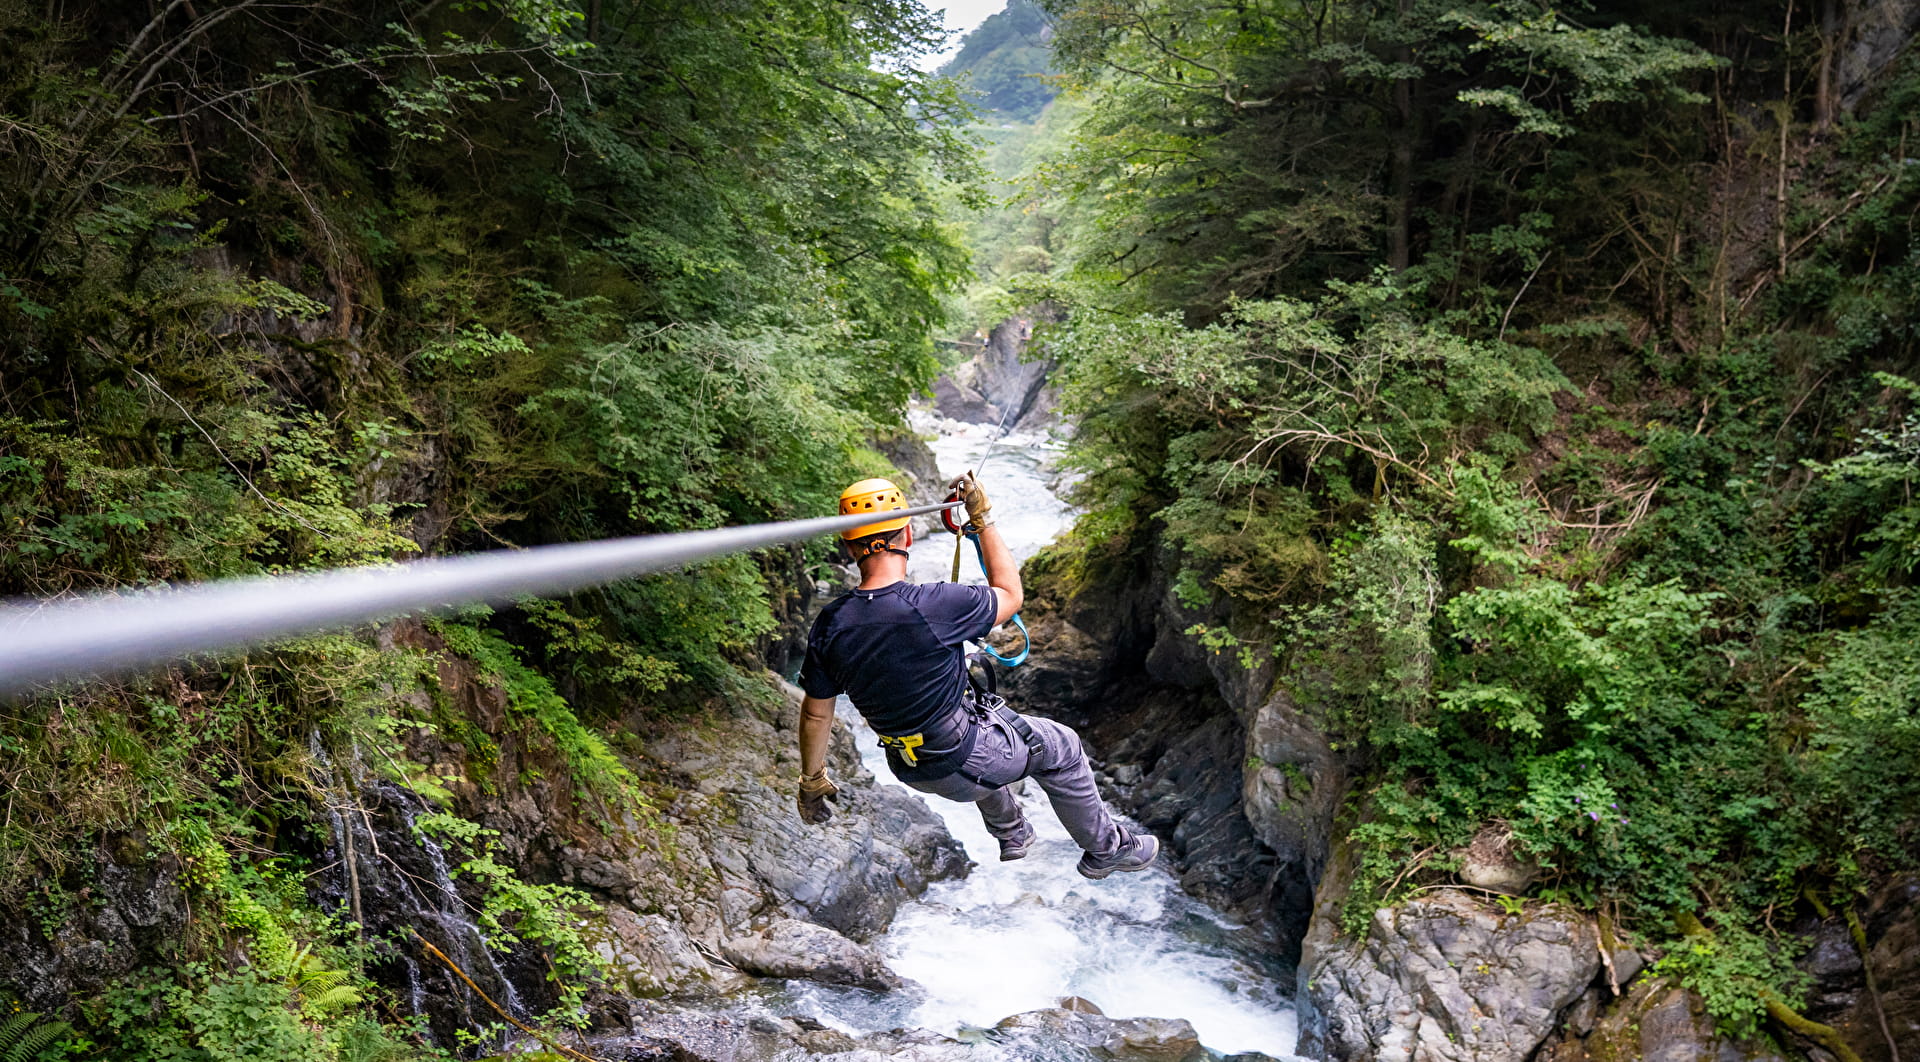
{"x": 670, "y": 1034}
{"x": 717, "y": 853}
{"x": 1446, "y": 978}
{"x": 1125, "y": 1039}
{"x": 791, "y": 948}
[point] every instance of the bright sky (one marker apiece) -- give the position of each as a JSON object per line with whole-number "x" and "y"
{"x": 961, "y": 16}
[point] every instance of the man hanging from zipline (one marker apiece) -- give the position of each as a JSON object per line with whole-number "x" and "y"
{"x": 895, "y": 648}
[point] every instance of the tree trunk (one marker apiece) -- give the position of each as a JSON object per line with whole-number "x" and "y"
{"x": 1825, "y": 108}
{"x": 1399, "y": 247}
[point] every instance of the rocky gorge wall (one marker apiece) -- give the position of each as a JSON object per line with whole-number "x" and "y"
{"x": 1000, "y": 384}
{"x": 1221, "y": 761}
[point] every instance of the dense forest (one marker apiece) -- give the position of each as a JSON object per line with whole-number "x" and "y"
{"x": 1531, "y": 394}
{"x": 296, "y": 286}
{"x": 1535, "y": 389}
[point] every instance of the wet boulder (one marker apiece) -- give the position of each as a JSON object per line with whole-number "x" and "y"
{"x": 792, "y": 948}
{"x": 1443, "y": 977}
{"x": 664, "y": 1033}
{"x": 650, "y": 955}
{"x": 1122, "y": 1039}
{"x": 739, "y": 839}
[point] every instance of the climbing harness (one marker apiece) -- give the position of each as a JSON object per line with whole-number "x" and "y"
{"x": 985, "y": 702}
{"x": 115, "y": 634}
{"x": 981, "y": 701}
{"x": 904, "y": 744}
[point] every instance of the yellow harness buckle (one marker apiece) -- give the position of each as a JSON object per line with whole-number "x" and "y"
{"x": 904, "y": 746}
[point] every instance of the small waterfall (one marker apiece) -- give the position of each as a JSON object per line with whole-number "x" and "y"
{"x": 393, "y": 877}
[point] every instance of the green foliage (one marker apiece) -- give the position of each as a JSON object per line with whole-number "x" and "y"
{"x": 1005, "y": 60}
{"x": 1565, "y": 524}
{"x": 1887, "y": 464}
{"x": 1248, "y": 151}
{"x": 1735, "y": 969}
{"x": 1369, "y": 642}
{"x": 1350, "y": 389}
{"x": 532, "y": 697}
{"x": 1582, "y": 66}
{"x": 1863, "y": 707}
{"x": 204, "y": 1016}
{"x": 291, "y": 290}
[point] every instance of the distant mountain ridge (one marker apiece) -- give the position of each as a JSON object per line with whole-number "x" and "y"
{"x": 1006, "y": 60}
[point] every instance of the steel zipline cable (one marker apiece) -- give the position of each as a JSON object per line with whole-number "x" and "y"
{"x": 117, "y": 634}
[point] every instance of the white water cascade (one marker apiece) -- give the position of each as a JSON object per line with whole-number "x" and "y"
{"x": 1014, "y": 937}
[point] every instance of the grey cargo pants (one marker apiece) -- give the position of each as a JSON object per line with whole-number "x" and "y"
{"x": 1063, "y": 773}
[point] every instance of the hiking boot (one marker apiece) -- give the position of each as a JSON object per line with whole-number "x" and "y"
{"x": 1137, "y": 854}
{"x": 1015, "y": 847}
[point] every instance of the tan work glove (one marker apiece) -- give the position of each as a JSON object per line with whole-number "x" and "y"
{"x": 814, "y": 794}
{"x": 979, "y": 509}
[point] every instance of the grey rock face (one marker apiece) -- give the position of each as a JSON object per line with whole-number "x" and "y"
{"x": 1127, "y": 1039}
{"x": 1872, "y": 35}
{"x": 958, "y": 401}
{"x": 735, "y": 779}
{"x": 790, "y": 948}
{"x": 1057, "y": 1034}
{"x": 1112, "y": 660}
{"x": 1293, "y": 785}
{"x": 650, "y": 956}
{"x": 121, "y": 914}
{"x": 1066, "y": 675}
{"x": 1890, "y": 921}
{"x": 1448, "y": 979}
{"x": 1181, "y": 753}
{"x": 724, "y": 851}
{"x": 997, "y": 385}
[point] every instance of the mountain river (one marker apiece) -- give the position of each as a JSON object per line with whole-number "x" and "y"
{"x": 1014, "y": 937}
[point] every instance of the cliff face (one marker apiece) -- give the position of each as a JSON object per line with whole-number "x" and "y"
{"x": 1211, "y": 754}
{"x": 1002, "y": 383}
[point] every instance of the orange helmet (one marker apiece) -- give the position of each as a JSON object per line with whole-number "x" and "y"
{"x": 872, "y": 496}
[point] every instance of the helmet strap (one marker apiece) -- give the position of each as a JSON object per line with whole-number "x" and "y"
{"x": 878, "y": 545}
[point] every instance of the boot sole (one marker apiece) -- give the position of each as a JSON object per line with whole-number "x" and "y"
{"x": 1124, "y": 867}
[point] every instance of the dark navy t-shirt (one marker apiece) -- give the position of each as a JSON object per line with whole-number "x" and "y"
{"x": 896, "y": 653}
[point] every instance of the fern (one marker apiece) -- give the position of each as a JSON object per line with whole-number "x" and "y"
{"x": 23, "y": 1035}
{"x": 321, "y": 992}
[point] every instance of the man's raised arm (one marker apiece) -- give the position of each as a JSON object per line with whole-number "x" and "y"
{"x": 1003, "y": 575}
